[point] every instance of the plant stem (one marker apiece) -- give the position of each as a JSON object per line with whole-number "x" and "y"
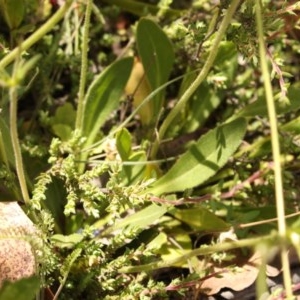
{"x": 15, "y": 140}
{"x": 199, "y": 79}
{"x": 275, "y": 148}
{"x": 37, "y": 35}
{"x": 225, "y": 246}
{"x": 73, "y": 256}
{"x": 84, "y": 66}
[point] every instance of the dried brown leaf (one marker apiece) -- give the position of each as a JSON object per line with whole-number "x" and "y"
{"x": 236, "y": 278}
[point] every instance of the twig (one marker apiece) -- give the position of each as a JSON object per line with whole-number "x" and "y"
{"x": 275, "y": 147}
{"x": 84, "y": 66}
{"x": 37, "y": 35}
{"x": 279, "y": 73}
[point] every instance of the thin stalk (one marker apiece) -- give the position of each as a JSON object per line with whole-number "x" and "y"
{"x": 66, "y": 272}
{"x": 84, "y": 66}
{"x": 4, "y": 158}
{"x": 275, "y": 147}
{"x": 199, "y": 79}
{"x": 261, "y": 281}
{"x": 37, "y": 35}
{"x": 15, "y": 140}
{"x": 202, "y": 251}
{"x": 98, "y": 14}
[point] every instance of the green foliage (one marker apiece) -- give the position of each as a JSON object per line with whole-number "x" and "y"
{"x": 103, "y": 97}
{"x": 203, "y": 159}
{"x": 157, "y": 55}
{"x": 143, "y": 218}
{"x": 283, "y": 106}
{"x": 12, "y": 12}
{"x": 63, "y": 121}
{"x": 124, "y": 143}
{"x": 125, "y": 191}
{"x": 200, "y": 219}
{"x": 23, "y": 289}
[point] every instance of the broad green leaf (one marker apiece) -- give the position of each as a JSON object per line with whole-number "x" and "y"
{"x": 23, "y": 289}
{"x": 134, "y": 162}
{"x": 200, "y": 219}
{"x": 13, "y": 12}
{"x": 168, "y": 251}
{"x": 64, "y": 114}
{"x": 103, "y": 96}
{"x": 63, "y": 121}
{"x": 203, "y": 159}
{"x": 143, "y": 218}
{"x": 136, "y": 172}
{"x": 123, "y": 143}
{"x": 157, "y": 55}
{"x": 63, "y": 131}
{"x": 182, "y": 245}
{"x": 202, "y": 104}
{"x": 158, "y": 242}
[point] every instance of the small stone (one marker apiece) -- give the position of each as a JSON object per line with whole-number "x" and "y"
{"x": 227, "y": 295}
{"x": 296, "y": 278}
{"x": 17, "y": 257}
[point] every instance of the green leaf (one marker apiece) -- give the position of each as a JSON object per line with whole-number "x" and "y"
{"x": 63, "y": 131}
{"x": 103, "y": 96}
{"x": 65, "y": 114}
{"x": 157, "y": 55}
{"x": 203, "y": 159}
{"x": 23, "y": 289}
{"x": 137, "y": 172}
{"x": 200, "y": 219}
{"x": 170, "y": 251}
{"x": 158, "y": 242}
{"x": 143, "y": 218}
{"x": 63, "y": 121}
{"x": 133, "y": 172}
{"x": 202, "y": 104}
{"x": 66, "y": 241}
{"x": 13, "y": 12}
{"x": 123, "y": 143}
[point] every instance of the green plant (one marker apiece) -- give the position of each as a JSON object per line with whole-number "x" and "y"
{"x": 120, "y": 192}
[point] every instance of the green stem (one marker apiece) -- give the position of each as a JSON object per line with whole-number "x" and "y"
{"x": 84, "y": 66}
{"x": 200, "y": 78}
{"x": 73, "y": 256}
{"x": 4, "y": 158}
{"x": 15, "y": 141}
{"x": 37, "y": 35}
{"x": 275, "y": 147}
{"x": 225, "y": 246}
